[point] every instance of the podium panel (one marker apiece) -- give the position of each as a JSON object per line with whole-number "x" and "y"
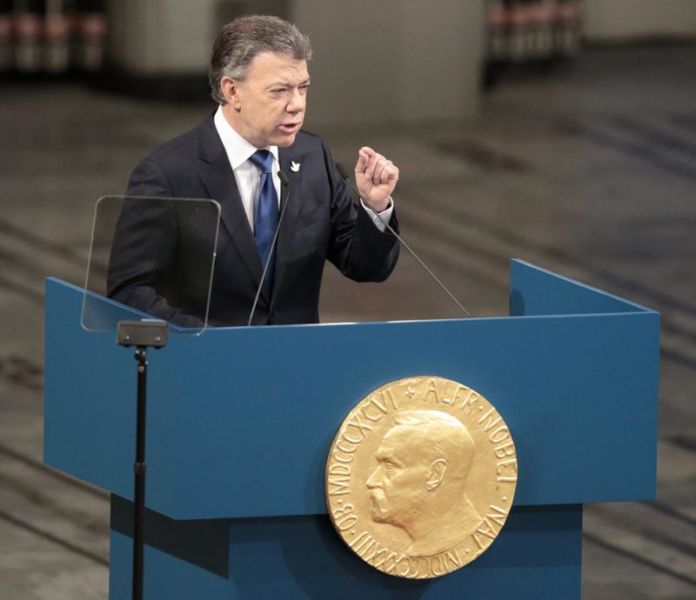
{"x": 302, "y": 558}
{"x": 236, "y": 456}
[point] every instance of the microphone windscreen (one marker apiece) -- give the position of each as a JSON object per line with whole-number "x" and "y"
{"x": 283, "y": 177}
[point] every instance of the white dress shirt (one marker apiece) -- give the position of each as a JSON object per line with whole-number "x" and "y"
{"x": 247, "y": 175}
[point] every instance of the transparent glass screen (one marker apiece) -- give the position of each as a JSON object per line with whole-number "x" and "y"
{"x": 155, "y": 256}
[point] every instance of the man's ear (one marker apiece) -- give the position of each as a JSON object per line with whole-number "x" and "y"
{"x": 436, "y": 475}
{"x": 230, "y": 92}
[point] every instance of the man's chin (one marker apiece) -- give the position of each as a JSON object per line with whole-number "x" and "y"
{"x": 284, "y": 136}
{"x": 286, "y": 139}
{"x": 378, "y": 517}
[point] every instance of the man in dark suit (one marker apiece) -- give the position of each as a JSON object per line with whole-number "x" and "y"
{"x": 260, "y": 80}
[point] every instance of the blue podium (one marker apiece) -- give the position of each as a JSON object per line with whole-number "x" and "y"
{"x": 236, "y": 458}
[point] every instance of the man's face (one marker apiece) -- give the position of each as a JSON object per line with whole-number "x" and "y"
{"x": 267, "y": 108}
{"x": 398, "y": 484}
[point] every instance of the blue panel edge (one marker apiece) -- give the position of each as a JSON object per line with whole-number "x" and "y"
{"x": 585, "y": 299}
{"x": 521, "y": 267}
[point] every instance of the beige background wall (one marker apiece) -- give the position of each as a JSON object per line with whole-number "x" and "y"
{"x": 161, "y": 37}
{"x": 614, "y": 20}
{"x": 376, "y": 61}
{"x": 393, "y": 60}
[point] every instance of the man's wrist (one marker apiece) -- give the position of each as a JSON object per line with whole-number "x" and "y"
{"x": 377, "y": 209}
{"x": 381, "y": 218}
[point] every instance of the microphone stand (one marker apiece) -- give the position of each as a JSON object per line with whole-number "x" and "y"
{"x": 144, "y": 334}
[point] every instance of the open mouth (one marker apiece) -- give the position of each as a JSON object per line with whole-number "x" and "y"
{"x": 289, "y": 127}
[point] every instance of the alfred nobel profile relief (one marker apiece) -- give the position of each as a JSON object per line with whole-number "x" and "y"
{"x": 421, "y": 477}
{"x": 420, "y": 482}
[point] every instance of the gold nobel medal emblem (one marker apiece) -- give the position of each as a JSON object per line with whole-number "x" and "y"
{"x": 420, "y": 477}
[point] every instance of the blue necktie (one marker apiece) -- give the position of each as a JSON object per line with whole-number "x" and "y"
{"x": 266, "y": 212}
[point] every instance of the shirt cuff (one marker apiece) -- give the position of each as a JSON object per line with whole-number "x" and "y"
{"x": 379, "y": 219}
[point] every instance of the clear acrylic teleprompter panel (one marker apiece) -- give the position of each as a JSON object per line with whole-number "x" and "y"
{"x": 155, "y": 255}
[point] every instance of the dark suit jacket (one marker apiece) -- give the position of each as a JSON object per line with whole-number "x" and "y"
{"x": 321, "y": 222}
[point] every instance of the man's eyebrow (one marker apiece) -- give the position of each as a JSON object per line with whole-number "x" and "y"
{"x": 286, "y": 83}
{"x": 385, "y": 457}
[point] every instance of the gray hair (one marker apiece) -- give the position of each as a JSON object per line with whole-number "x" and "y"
{"x": 246, "y": 37}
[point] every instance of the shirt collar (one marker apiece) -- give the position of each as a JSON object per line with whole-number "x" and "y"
{"x": 237, "y": 148}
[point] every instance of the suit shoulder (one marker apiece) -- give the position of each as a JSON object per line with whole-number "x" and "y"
{"x": 168, "y": 168}
{"x": 182, "y": 146}
{"x": 306, "y": 140}
{"x": 308, "y": 135}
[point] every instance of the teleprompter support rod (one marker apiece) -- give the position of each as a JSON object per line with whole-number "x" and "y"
{"x": 140, "y": 469}
{"x": 144, "y": 334}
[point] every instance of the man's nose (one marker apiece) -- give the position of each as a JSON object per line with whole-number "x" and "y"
{"x": 297, "y": 101}
{"x": 373, "y": 480}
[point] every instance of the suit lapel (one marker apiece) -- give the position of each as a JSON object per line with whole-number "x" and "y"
{"x": 218, "y": 179}
{"x": 290, "y": 198}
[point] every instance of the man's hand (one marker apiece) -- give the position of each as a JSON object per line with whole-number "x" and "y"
{"x": 375, "y": 178}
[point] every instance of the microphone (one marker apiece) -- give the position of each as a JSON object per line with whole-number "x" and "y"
{"x": 286, "y": 183}
{"x": 342, "y": 172}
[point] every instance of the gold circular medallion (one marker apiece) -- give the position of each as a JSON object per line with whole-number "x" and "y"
{"x": 421, "y": 476}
